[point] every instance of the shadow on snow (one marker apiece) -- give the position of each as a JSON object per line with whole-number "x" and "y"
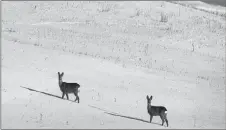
{"x": 105, "y": 111}
{"x": 49, "y": 94}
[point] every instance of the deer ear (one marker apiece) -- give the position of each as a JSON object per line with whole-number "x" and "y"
{"x": 147, "y": 97}
{"x": 58, "y": 73}
{"x": 151, "y": 97}
{"x": 62, "y": 73}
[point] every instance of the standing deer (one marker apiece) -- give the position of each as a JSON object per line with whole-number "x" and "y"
{"x": 67, "y": 88}
{"x": 157, "y": 111}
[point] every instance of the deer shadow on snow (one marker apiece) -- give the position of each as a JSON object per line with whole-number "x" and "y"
{"x": 123, "y": 116}
{"x": 105, "y": 111}
{"x": 49, "y": 94}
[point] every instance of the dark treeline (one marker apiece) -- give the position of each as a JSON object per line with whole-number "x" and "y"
{"x": 216, "y": 2}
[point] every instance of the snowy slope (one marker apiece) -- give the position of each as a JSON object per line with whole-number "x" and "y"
{"x": 108, "y": 58}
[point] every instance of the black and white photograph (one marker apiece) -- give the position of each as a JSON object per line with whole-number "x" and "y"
{"x": 113, "y": 64}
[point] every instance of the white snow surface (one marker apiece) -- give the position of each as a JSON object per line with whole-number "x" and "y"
{"x": 119, "y": 52}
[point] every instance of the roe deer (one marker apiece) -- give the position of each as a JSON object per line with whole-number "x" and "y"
{"x": 157, "y": 111}
{"x": 67, "y": 88}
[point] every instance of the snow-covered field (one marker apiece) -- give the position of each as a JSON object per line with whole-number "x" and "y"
{"x": 118, "y": 52}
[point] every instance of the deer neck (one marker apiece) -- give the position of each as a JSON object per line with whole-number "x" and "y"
{"x": 60, "y": 82}
{"x": 149, "y": 107}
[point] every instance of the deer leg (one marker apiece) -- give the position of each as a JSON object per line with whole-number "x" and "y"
{"x": 63, "y": 95}
{"x": 67, "y": 96}
{"x": 166, "y": 120}
{"x": 78, "y": 98}
{"x": 162, "y": 118}
{"x": 151, "y": 118}
{"x": 76, "y": 95}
